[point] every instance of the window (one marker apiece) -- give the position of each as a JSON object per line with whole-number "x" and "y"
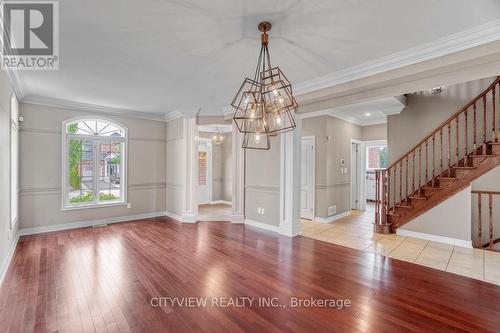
{"x": 14, "y": 159}
{"x": 94, "y": 163}
{"x": 376, "y": 157}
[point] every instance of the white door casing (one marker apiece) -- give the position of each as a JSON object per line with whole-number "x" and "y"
{"x": 307, "y": 178}
{"x": 355, "y": 181}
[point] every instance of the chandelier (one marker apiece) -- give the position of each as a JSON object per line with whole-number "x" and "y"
{"x": 218, "y": 138}
{"x": 264, "y": 105}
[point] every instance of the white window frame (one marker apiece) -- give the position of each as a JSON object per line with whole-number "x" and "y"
{"x": 65, "y": 204}
{"x": 14, "y": 160}
{"x": 371, "y": 144}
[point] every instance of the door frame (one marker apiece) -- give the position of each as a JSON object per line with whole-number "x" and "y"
{"x": 313, "y": 139}
{"x": 210, "y": 171}
{"x": 361, "y": 171}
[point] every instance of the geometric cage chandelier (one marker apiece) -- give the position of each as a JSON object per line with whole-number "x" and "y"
{"x": 264, "y": 105}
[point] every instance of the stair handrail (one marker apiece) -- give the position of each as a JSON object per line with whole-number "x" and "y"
{"x": 386, "y": 198}
{"x": 445, "y": 123}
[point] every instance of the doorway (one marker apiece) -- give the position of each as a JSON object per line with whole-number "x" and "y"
{"x": 307, "y": 187}
{"x": 376, "y": 159}
{"x": 214, "y": 172}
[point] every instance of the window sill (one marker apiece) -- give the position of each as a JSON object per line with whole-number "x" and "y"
{"x": 95, "y": 205}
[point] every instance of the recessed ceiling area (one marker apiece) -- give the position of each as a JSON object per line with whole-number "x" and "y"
{"x": 159, "y": 56}
{"x": 367, "y": 113}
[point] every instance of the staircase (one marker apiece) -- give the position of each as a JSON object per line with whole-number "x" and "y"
{"x": 461, "y": 149}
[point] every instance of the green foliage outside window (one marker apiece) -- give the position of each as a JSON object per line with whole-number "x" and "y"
{"x": 87, "y": 197}
{"x": 383, "y": 158}
{"x": 75, "y": 156}
{"x": 105, "y": 196}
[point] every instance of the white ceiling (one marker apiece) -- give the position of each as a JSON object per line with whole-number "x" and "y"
{"x": 159, "y": 56}
{"x": 370, "y": 113}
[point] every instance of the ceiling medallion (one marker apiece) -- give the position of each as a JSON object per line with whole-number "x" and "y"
{"x": 264, "y": 105}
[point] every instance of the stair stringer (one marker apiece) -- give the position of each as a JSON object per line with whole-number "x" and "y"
{"x": 445, "y": 192}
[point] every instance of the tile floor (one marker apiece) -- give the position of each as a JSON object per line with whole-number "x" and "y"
{"x": 216, "y": 212}
{"x": 355, "y": 231}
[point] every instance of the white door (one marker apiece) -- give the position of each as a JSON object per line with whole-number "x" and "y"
{"x": 204, "y": 173}
{"x": 355, "y": 176}
{"x": 307, "y": 179}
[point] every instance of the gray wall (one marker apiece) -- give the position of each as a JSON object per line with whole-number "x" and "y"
{"x": 446, "y": 219}
{"x": 6, "y": 237}
{"x": 332, "y": 187}
{"x": 174, "y": 166}
{"x": 424, "y": 112}
{"x": 40, "y": 168}
{"x": 374, "y": 132}
{"x": 262, "y": 184}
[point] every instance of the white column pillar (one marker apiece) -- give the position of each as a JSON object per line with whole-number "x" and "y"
{"x": 291, "y": 144}
{"x": 190, "y": 189}
{"x": 238, "y": 168}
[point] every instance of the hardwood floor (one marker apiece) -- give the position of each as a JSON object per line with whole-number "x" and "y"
{"x": 103, "y": 279}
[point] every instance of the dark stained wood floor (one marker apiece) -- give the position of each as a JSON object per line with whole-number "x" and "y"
{"x": 103, "y": 279}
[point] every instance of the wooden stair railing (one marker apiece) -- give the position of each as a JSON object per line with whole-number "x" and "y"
{"x": 478, "y": 230}
{"x": 444, "y": 155}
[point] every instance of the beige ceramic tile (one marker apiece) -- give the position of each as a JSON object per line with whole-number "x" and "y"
{"x": 492, "y": 267}
{"x": 384, "y": 246}
{"x": 467, "y": 262}
{"x": 356, "y": 231}
{"x": 408, "y": 250}
{"x": 435, "y": 255}
{"x": 352, "y": 242}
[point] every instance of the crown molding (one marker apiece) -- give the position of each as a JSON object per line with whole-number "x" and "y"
{"x": 15, "y": 75}
{"x": 17, "y": 83}
{"x": 86, "y": 107}
{"x": 172, "y": 115}
{"x": 328, "y": 112}
{"x": 331, "y": 113}
{"x": 477, "y": 36}
{"x": 227, "y": 110}
{"x": 215, "y": 128}
{"x": 382, "y": 106}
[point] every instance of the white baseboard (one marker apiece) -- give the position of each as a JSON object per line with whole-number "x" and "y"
{"x": 264, "y": 226}
{"x": 224, "y": 202}
{"x": 237, "y": 219}
{"x": 173, "y": 216}
{"x": 82, "y": 224}
{"x": 5, "y": 265}
{"x": 331, "y": 218}
{"x": 189, "y": 218}
{"x": 435, "y": 238}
